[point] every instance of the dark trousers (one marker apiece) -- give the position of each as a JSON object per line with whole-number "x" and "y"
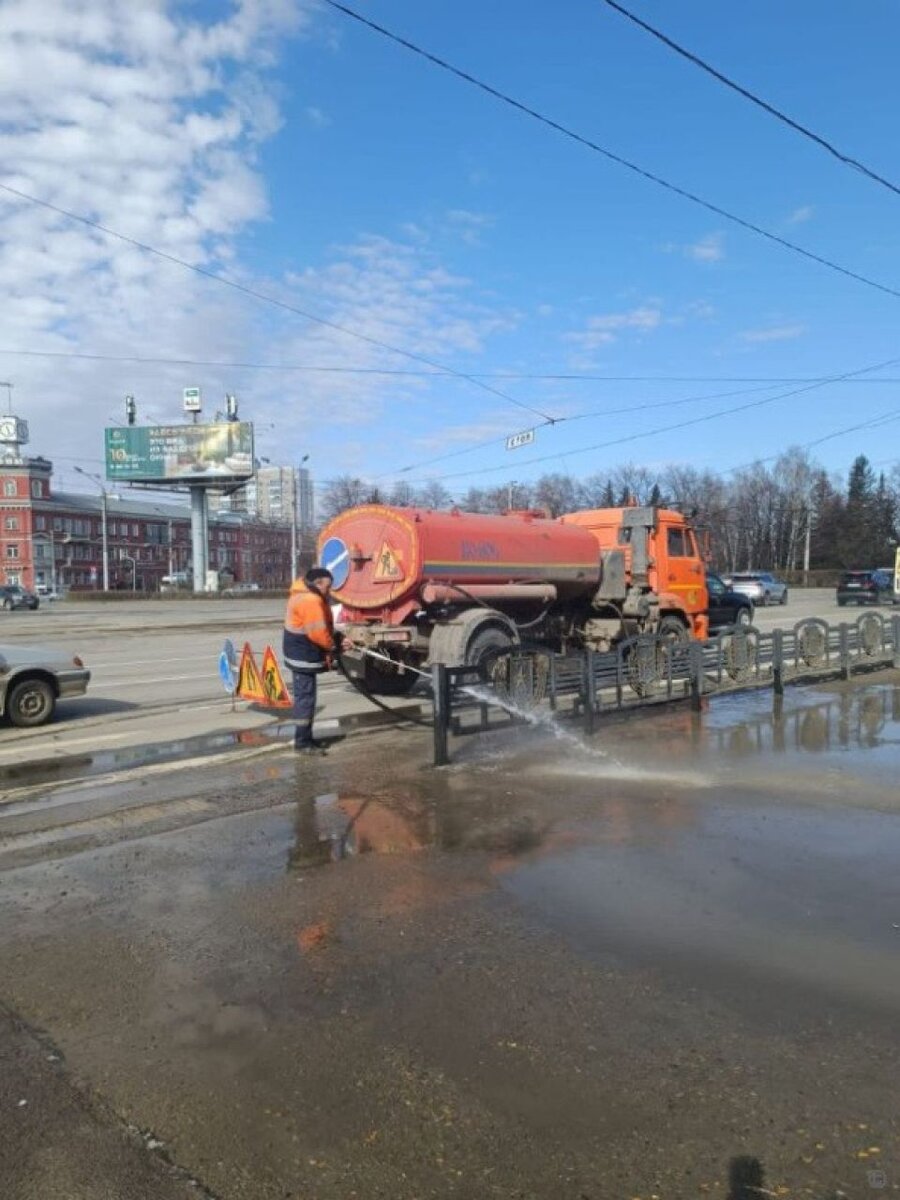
{"x": 304, "y": 705}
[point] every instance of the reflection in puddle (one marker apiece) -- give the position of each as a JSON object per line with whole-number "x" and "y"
{"x": 333, "y": 827}
{"x": 864, "y": 718}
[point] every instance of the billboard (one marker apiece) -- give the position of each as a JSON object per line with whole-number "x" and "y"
{"x": 215, "y": 453}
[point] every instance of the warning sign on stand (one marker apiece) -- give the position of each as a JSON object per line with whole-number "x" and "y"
{"x": 277, "y": 695}
{"x": 250, "y": 684}
{"x": 388, "y": 565}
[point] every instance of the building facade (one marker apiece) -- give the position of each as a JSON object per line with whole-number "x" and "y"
{"x": 55, "y": 539}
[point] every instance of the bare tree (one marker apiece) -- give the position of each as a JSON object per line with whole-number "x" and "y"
{"x": 345, "y": 491}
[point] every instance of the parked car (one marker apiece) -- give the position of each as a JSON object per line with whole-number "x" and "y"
{"x": 727, "y": 607}
{"x": 760, "y": 586}
{"x": 45, "y": 592}
{"x": 12, "y": 596}
{"x": 33, "y": 678}
{"x": 865, "y": 587}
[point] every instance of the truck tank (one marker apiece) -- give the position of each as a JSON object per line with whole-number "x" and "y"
{"x": 387, "y": 562}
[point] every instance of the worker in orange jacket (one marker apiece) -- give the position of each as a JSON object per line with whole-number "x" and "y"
{"x": 309, "y": 648}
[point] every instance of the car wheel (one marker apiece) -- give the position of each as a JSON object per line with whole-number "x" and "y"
{"x": 744, "y": 618}
{"x": 784, "y": 596}
{"x": 30, "y": 703}
{"x": 7, "y": 603}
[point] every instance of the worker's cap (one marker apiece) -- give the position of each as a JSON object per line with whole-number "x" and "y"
{"x": 318, "y": 573}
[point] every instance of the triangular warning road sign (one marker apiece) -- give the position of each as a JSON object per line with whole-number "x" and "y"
{"x": 250, "y": 684}
{"x": 388, "y": 564}
{"x": 277, "y": 695}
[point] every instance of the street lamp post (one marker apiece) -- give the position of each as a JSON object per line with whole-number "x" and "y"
{"x": 104, "y": 497}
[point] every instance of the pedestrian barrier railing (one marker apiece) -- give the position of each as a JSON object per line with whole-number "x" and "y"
{"x": 650, "y": 669}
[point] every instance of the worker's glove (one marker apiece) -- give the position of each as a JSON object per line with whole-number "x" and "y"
{"x": 338, "y": 640}
{"x": 330, "y": 662}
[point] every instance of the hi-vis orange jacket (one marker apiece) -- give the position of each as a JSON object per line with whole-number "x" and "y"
{"x": 308, "y": 629}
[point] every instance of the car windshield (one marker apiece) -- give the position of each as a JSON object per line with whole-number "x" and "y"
{"x": 746, "y": 578}
{"x": 856, "y": 576}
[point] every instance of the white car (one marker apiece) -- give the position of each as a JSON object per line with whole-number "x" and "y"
{"x": 760, "y": 586}
{"x": 33, "y": 678}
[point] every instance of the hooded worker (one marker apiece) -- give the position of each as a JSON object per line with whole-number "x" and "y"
{"x": 309, "y": 646}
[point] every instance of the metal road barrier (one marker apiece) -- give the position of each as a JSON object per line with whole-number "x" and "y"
{"x": 531, "y": 685}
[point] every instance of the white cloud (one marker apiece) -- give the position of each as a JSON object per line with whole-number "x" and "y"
{"x": 799, "y": 215}
{"x": 775, "y": 333}
{"x": 603, "y": 330}
{"x": 150, "y": 123}
{"x": 316, "y": 117}
{"x": 468, "y": 226}
{"x": 709, "y": 249}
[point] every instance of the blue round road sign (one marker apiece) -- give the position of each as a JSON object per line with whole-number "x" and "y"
{"x": 336, "y": 559}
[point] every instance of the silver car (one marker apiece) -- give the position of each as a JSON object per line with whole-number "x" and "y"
{"x": 33, "y": 678}
{"x": 761, "y": 586}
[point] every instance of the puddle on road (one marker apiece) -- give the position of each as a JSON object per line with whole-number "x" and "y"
{"x": 80, "y": 766}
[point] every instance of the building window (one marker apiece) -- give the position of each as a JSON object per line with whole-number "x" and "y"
{"x": 12, "y": 550}
{"x": 40, "y": 551}
{"x": 12, "y": 577}
{"x": 9, "y": 487}
{"x": 57, "y": 524}
{"x": 135, "y": 531}
{"x": 36, "y": 490}
{"x": 40, "y": 523}
{"x": 12, "y": 523}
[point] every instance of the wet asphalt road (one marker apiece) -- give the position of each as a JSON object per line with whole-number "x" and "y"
{"x": 663, "y": 964}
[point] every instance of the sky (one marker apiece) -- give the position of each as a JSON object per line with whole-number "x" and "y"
{"x": 285, "y": 147}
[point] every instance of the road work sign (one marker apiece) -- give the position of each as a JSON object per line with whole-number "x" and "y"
{"x": 250, "y": 684}
{"x": 277, "y": 695}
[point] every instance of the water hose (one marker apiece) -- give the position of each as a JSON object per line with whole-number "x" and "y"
{"x": 364, "y": 691}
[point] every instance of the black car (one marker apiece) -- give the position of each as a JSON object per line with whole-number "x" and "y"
{"x": 726, "y": 606}
{"x": 13, "y": 596}
{"x": 865, "y": 587}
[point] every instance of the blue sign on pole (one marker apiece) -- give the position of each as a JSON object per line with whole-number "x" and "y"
{"x": 336, "y": 559}
{"x": 228, "y": 670}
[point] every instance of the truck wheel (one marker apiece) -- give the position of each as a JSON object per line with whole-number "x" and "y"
{"x": 485, "y": 647}
{"x": 672, "y": 629}
{"x": 31, "y": 702}
{"x": 383, "y": 681}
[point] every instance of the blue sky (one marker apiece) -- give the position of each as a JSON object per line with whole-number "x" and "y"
{"x": 356, "y": 181}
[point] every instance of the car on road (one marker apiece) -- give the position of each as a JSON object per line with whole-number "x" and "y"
{"x": 727, "y": 607}
{"x": 865, "y": 587}
{"x": 760, "y": 586}
{"x": 12, "y": 596}
{"x": 33, "y": 678}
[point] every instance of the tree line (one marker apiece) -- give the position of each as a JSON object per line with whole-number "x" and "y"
{"x": 761, "y": 517}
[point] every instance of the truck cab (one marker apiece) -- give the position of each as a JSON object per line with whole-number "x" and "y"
{"x": 652, "y": 571}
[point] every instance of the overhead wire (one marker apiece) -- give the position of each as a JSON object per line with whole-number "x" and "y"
{"x": 641, "y": 434}
{"x": 590, "y": 144}
{"x": 329, "y": 368}
{"x": 595, "y": 414}
{"x": 265, "y": 298}
{"x": 823, "y": 143}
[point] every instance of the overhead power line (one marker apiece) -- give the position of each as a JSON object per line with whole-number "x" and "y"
{"x": 244, "y": 290}
{"x": 641, "y": 434}
{"x": 330, "y": 369}
{"x": 820, "y": 141}
{"x": 589, "y": 144}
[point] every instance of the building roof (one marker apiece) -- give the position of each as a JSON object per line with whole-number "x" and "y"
{"x": 124, "y": 506}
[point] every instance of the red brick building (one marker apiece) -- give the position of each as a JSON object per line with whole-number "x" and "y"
{"x": 55, "y": 539}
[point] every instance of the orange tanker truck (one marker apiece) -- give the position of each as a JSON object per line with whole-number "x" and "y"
{"x": 420, "y": 587}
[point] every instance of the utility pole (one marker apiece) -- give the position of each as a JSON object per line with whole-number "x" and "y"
{"x": 104, "y": 498}
{"x": 103, "y": 532}
{"x": 293, "y": 523}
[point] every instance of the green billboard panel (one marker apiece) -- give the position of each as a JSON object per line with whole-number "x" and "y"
{"x": 220, "y": 452}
